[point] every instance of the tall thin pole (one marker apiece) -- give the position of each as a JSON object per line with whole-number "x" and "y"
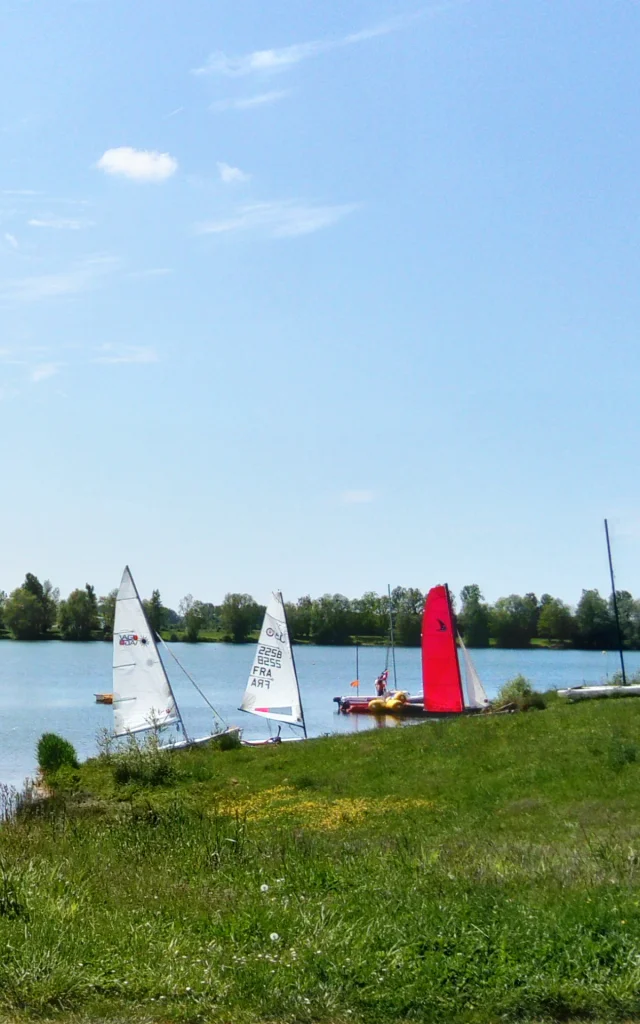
{"x": 293, "y": 661}
{"x": 615, "y": 605}
{"x": 357, "y": 672}
{"x": 393, "y": 648}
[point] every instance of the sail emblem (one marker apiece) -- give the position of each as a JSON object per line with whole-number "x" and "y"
{"x": 127, "y": 639}
{"x": 144, "y": 640}
{"x": 441, "y": 627}
{"x": 278, "y": 636}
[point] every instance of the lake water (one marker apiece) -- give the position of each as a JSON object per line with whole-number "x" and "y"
{"x": 50, "y": 687}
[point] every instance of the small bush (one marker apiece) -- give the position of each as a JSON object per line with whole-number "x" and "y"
{"x": 147, "y": 764}
{"x": 54, "y": 752}
{"x": 520, "y": 692}
{"x": 228, "y": 741}
{"x": 633, "y": 679}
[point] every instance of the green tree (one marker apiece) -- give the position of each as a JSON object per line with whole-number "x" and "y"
{"x": 473, "y": 620}
{"x": 369, "y": 615}
{"x": 156, "y": 612}
{"x": 407, "y": 604}
{"x": 628, "y": 616}
{"x": 594, "y": 622}
{"x": 78, "y": 615}
{"x": 331, "y": 620}
{"x": 239, "y": 615}
{"x": 23, "y": 615}
{"x": 107, "y": 613}
{"x": 555, "y": 621}
{"x": 299, "y": 618}
{"x": 47, "y": 597}
{"x": 3, "y": 599}
{"x": 514, "y": 620}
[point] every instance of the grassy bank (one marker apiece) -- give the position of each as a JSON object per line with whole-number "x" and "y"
{"x": 476, "y": 870}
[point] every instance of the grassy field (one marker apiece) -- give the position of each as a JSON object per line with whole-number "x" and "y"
{"x": 479, "y": 870}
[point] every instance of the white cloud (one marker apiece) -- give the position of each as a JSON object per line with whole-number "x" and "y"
{"x": 43, "y": 371}
{"x": 11, "y": 240}
{"x": 357, "y": 497}
{"x": 284, "y": 219}
{"x": 140, "y": 275}
{"x": 262, "y": 99}
{"x": 47, "y": 286}
{"x": 138, "y": 164}
{"x": 20, "y": 192}
{"x": 115, "y": 354}
{"x": 60, "y": 223}
{"x": 229, "y": 175}
{"x": 270, "y": 61}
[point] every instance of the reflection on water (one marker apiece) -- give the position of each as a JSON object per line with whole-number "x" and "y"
{"x": 50, "y": 687}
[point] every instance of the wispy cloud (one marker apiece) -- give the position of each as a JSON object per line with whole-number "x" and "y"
{"x": 138, "y": 164}
{"x": 46, "y": 286}
{"x": 230, "y": 175}
{"x": 357, "y": 497}
{"x": 139, "y": 275}
{"x": 20, "y": 192}
{"x": 43, "y": 371}
{"x": 114, "y": 354}
{"x": 173, "y": 113}
{"x": 283, "y": 219}
{"x": 262, "y": 99}
{"x": 60, "y": 223}
{"x": 268, "y": 62}
{"x": 11, "y": 240}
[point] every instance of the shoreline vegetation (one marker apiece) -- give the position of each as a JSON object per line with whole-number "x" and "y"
{"x": 35, "y": 611}
{"x": 468, "y": 871}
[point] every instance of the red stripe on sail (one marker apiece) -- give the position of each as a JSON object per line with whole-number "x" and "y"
{"x": 441, "y": 682}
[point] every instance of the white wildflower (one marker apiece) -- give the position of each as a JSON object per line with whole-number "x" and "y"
{"x": 264, "y": 888}
{"x": 274, "y": 936}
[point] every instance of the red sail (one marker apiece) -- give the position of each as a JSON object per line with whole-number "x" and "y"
{"x": 441, "y": 681}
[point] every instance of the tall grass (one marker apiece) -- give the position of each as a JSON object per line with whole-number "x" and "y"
{"x": 471, "y": 871}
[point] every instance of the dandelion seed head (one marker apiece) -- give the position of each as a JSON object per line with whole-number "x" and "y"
{"x": 264, "y": 888}
{"x": 274, "y": 936}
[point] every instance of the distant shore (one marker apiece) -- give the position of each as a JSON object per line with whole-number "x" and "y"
{"x": 210, "y": 637}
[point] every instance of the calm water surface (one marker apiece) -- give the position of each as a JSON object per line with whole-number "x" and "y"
{"x": 50, "y": 686}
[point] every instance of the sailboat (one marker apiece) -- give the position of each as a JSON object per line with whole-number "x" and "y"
{"x": 443, "y": 693}
{"x": 272, "y": 690}
{"x": 627, "y": 689}
{"x": 143, "y": 700}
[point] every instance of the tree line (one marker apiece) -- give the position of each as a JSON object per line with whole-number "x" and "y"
{"x": 35, "y": 611}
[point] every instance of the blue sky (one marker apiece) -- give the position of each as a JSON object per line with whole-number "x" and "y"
{"x": 315, "y": 297}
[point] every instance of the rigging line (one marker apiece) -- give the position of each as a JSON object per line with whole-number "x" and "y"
{"x": 192, "y": 681}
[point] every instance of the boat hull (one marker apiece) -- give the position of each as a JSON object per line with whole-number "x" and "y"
{"x": 202, "y": 740}
{"x": 596, "y": 692}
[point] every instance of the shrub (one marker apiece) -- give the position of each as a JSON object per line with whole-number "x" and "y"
{"x": 54, "y": 752}
{"x": 145, "y": 763}
{"x": 520, "y": 692}
{"x": 228, "y": 741}
{"x": 633, "y": 679}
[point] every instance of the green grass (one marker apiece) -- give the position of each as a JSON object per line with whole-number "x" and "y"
{"x": 479, "y": 870}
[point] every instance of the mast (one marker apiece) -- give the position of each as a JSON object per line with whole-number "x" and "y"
{"x": 615, "y": 605}
{"x": 152, "y": 633}
{"x": 393, "y": 648}
{"x": 295, "y": 671}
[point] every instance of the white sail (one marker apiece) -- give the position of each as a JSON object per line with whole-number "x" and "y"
{"x": 272, "y": 689}
{"x": 475, "y": 696}
{"x": 142, "y": 696}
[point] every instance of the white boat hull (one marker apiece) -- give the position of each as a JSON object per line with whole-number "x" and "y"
{"x": 202, "y": 740}
{"x": 592, "y": 692}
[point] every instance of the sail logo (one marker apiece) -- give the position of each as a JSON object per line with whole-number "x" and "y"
{"x": 280, "y": 637}
{"x": 441, "y": 626}
{"x": 128, "y": 639}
